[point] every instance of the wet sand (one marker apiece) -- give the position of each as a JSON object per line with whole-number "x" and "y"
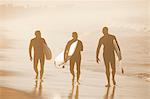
{"x": 6, "y": 73}
{"x": 57, "y": 85}
{"x": 8, "y": 93}
{"x": 17, "y": 75}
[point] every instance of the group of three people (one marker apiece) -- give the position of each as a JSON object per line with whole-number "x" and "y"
{"x": 108, "y": 54}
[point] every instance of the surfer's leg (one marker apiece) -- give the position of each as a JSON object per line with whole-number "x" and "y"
{"x": 36, "y": 67}
{"x": 107, "y": 71}
{"x": 42, "y": 61}
{"x": 72, "y": 63}
{"x": 78, "y": 69}
{"x": 113, "y": 66}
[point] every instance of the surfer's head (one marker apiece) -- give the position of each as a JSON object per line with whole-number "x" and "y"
{"x": 75, "y": 35}
{"x": 105, "y": 30}
{"x": 38, "y": 34}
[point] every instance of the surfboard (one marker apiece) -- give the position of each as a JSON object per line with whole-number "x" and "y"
{"x": 59, "y": 60}
{"x": 47, "y": 52}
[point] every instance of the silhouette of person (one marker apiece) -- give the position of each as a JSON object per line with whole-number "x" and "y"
{"x": 37, "y": 44}
{"x": 76, "y": 57}
{"x": 72, "y": 93}
{"x": 106, "y": 96}
{"x": 108, "y": 54}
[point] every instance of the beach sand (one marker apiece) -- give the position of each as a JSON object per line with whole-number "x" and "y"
{"x": 6, "y": 73}
{"x": 8, "y": 93}
{"x": 57, "y": 85}
{"x": 126, "y": 20}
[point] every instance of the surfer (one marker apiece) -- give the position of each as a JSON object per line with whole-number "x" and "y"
{"x": 37, "y": 43}
{"x": 108, "y": 54}
{"x": 76, "y": 57}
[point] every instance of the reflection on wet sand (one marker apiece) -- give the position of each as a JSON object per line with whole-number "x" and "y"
{"x": 37, "y": 91}
{"x": 109, "y": 95}
{"x": 8, "y": 93}
{"x": 71, "y": 95}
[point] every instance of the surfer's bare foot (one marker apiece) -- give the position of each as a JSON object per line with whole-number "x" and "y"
{"x": 36, "y": 77}
{"x": 114, "y": 82}
{"x": 41, "y": 78}
{"x": 78, "y": 82}
{"x": 73, "y": 81}
{"x": 73, "y": 78}
{"x": 108, "y": 85}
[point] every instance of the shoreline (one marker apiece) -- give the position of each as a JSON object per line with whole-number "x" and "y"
{"x": 60, "y": 86}
{"x": 143, "y": 75}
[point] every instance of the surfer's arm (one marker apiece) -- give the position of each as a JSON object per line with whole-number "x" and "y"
{"x": 30, "y": 50}
{"x": 118, "y": 47}
{"x": 117, "y": 43}
{"x": 98, "y": 49}
{"x": 44, "y": 41}
{"x": 81, "y": 46}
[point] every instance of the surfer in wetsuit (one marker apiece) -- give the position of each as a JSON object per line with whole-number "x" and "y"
{"x": 108, "y": 54}
{"x": 76, "y": 57}
{"x": 37, "y": 44}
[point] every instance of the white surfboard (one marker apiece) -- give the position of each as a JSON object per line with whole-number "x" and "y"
{"x": 59, "y": 60}
{"x": 47, "y": 52}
